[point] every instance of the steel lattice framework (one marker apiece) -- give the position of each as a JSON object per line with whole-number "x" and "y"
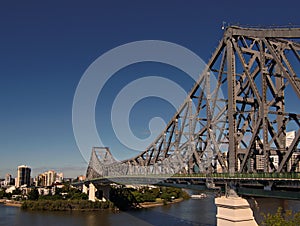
{"x": 235, "y": 118}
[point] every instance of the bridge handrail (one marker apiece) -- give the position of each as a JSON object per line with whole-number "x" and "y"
{"x": 252, "y": 176}
{"x": 244, "y": 175}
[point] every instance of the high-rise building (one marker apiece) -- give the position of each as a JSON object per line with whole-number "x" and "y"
{"x": 48, "y": 178}
{"x": 51, "y": 175}
{"x": 8, "y": 179}
{"x": 41, "y": 180}
{"x": 59, "y": 177}
{"x": 275, "y": 160}
{"x": 260, "y": 162}
{"x": 23, "y": 177}
{"x": 294, "y": 163}
{"x": 290, "y": 136}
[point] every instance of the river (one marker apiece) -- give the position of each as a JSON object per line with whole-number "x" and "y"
{"x": 191, "y": 212}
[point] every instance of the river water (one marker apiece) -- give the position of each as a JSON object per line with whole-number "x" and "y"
{"x": 187, "y": 213}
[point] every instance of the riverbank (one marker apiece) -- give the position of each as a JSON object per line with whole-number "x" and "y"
{"x": 83, "y": 205}
{"x": 120, "y": 199}
{"x": 159, "y": 203}
{"x": 183, "y": 213}
{"x": 13, "y": 203}
{"x": 10, "y": 203}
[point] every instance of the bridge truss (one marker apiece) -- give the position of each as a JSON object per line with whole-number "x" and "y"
{"x": 236, "y": 118}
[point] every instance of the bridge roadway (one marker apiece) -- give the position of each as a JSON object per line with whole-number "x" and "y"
{"x": 277, "y": 185}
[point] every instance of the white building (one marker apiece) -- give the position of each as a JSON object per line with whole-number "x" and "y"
{"x": 275, "y": 160}
{"x": 289, "y": 138}
{"x": 293, "y": 162}
{"x": 48, "y": 178}
{"x": 51, "y": 176}
{"x": 8, "y": 179}
{"x": 46, "y": 191}
{"x": 59, "y": 177}
{"x": 10, "y": 189}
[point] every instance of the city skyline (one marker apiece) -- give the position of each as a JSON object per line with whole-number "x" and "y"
{"x": 46, "y": 48}
{"x": 14, "y": 175}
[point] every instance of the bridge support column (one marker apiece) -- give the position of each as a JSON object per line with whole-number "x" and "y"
{"x": 105, "y": 192}
{"x": 234, "y": 211}
{"x": 92, "y": 192}
{"x": 85, "y": 189}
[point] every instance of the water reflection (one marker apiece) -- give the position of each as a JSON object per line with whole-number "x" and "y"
{"x": 187, "y": 213}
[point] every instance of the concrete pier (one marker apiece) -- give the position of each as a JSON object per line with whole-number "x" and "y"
{"x": 92, "y": 192}
{"x": 234, "y": 211}
{"x": 105, "y": 192}
{"x": 99, "y": 193}
{"x": 85, "y": 189}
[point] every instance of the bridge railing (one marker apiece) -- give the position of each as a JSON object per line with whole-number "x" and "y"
{"x": 244, "y": 175}
{"x": 251, "y": 176}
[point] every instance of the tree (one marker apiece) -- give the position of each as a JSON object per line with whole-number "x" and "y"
{"x": 33, "y": 194}
{"x": 17, "y": 191}
{"x": 2, "y": 193}
{"x": 168, "y": 193}
{"x": 79, "y": 196}
{"x": 281, "y": 218}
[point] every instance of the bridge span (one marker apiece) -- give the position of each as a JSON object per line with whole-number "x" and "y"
{"x": 264, "y": 185}
{"x": 247, "y": 138}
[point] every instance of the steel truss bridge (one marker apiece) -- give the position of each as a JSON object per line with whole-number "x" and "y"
{"x": 236, "y": 120}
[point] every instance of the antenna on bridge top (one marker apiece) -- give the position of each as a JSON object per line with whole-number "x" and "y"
{"x": 223, "y": 25}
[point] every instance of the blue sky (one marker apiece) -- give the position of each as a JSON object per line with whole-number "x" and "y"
{"x": 46, "y": 46}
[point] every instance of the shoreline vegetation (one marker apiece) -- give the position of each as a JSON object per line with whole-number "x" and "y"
{"x": 65, "y": 205}
{"x": 142, "y": 205}
{"x": 146, "y": 197}
{"x": 81, "y": 205}
{"x": 121, "y": 198}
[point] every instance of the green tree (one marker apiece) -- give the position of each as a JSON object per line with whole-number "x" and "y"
{"x": 123, "y": 198}
{"x": 166, "y": 196}
{"x": 2, "y": 193}
{"x": 16, "y": 192}
{"x": 281, "y": 218}
{"x": 138, "y": 196}
{"x": 168, "y": 193}
{"x": 79, "y": 196}
{"x": 33, "y": 194}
